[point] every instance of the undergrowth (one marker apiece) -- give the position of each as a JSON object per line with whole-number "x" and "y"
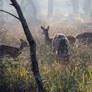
{"x": 76, "y": 76}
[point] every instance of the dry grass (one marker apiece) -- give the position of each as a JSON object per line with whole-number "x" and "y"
{"x": 16, "y": 76}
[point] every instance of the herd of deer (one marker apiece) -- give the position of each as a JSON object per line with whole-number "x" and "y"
{"x": 60, "y": 44}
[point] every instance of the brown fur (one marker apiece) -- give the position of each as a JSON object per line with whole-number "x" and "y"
{"x": 48, "y": 40}
{"x": 12, "y": 51}
{"x": 85, "y": 38}
{"x": 71, "y": 39}
{"x": 60, "y": 43}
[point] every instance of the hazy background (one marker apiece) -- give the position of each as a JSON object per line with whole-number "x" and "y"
{"x": 66, "y": 16}
{"x": 49, "y": 9}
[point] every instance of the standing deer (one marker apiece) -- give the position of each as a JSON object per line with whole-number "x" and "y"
{"x": 60, "y": 44}
{"x": 71, "y": 39}
{"x": 48, "y": 40}
{"x": 12, "y": 51}
{"x": 85, "y": 38}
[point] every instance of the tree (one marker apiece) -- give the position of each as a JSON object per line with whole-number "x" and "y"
{"x": 50, "y": 7}
{"x": 87, "y": 7}
{"x": 1, "y": 15}
{"x": 30, "y": 5}
{"x": 75, "y": 6}
{"x": 31, "y": 42}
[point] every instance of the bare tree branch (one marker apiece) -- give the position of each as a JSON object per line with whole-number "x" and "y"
{"x": 10, "y": 14}
{"x": 32, "y": 44}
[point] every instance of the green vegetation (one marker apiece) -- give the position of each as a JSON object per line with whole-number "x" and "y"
{"x": 76, "y": 76}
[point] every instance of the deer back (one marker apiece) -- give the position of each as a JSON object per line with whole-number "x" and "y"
{"x": 60, "y": 44}
{"x": 85, "y": 38}
{"x": 71, "y": 39}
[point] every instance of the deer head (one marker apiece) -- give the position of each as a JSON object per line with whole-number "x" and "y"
{"x": 45, "y": 30}
{"x": 46, "y": 34}
{"x": 23, "y": 44}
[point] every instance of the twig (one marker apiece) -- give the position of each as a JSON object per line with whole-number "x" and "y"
{"x": 10, "y": 14}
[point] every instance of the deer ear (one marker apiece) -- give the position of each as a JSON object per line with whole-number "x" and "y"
{"x": 48, "y": 28}
{"x": 42, "y": 28}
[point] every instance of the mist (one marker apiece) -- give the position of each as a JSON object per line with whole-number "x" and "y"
{"x": 51, "y": 39}
{"x": 36, "y": 10}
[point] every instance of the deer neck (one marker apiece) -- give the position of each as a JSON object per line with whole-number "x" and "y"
{"x": 21, "y": 47}
{"x": 47, "y": 38}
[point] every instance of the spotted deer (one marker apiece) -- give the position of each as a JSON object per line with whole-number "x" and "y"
{"x": 71, "y": 39}
{"x": 85, "y": 38}
{"x": 10, "y": 51}
{"x": 59, "y": 44}
{"x": 48, "y": 40}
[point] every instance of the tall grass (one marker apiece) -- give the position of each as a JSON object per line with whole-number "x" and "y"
{"x": 76, "y": 76}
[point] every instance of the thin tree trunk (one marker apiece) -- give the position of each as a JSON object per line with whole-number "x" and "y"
{"x": 1, "y": 15}
{"x": 50, "y": 8}
{"x": 75, "y": 6}
{"x": 32, "y": 44}
{"x": 87, "y": 7}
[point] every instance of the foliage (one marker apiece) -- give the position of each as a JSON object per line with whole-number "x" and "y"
{"x": 76, "y": 76}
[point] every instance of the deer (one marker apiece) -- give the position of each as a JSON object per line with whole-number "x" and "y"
{"x": 48, "y": 40}
{"x": 59, "y": 44}
{"x": 85, "y": 38}
{"x": 72, "y": 40}
{"x": 12, "y": 52}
